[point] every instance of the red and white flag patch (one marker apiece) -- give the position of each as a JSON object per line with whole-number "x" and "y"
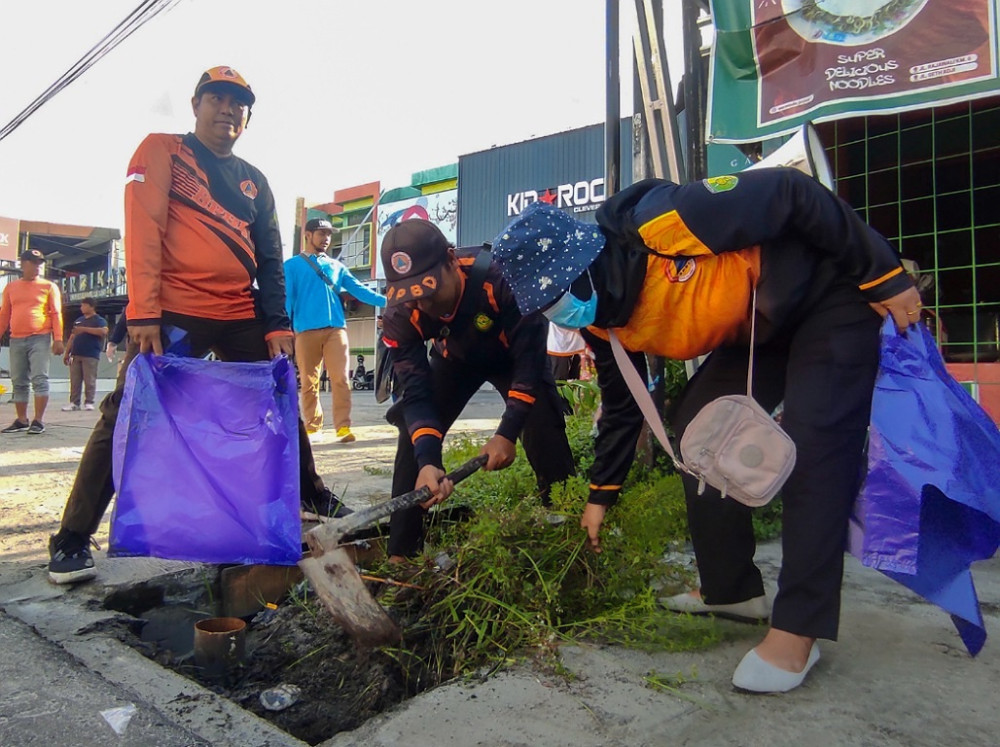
{"x": 136, "y": 174}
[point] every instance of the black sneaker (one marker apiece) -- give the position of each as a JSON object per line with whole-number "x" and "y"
{"x": 36, "y": 427}
{"x": 326, "y": 504}
{"x": 16, "y": 427}
{"x": 71, "y": 560}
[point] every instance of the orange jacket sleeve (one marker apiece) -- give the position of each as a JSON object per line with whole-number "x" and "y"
{"x": 147, "y": 197}
{"x": 5, "y": 310}
{"x": 55, "y": 312}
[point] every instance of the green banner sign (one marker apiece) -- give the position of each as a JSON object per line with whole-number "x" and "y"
{"x": 779, "y": 63}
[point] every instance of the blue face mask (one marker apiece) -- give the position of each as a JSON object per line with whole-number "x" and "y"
{"x": 572, "y": 313}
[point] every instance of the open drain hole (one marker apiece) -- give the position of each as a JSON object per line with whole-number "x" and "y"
{"x": 295, "y": 648}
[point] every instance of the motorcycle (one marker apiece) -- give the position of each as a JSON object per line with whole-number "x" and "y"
{"x": 362, "y": 379}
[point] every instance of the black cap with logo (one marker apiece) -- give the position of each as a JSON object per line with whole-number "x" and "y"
{"x": 413, "y": 255}
{"x": 317, "y": 224}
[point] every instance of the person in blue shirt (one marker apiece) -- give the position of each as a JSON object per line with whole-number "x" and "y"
{"x": 83, "y": 352}
{"x": 313, "y": 284}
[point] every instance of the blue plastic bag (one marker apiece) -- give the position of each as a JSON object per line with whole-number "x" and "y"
{"x": 206, "y": 462}
{"x": 930, "y": 504}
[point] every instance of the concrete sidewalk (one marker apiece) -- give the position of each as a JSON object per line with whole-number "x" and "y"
{"x": 898, "y": 676}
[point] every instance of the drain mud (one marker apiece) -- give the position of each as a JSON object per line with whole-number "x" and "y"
{"x": 300, "y": 670}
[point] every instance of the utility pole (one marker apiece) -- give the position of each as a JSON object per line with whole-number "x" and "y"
{"x": 694, "y": 91}
{"x": 612, "y": 128}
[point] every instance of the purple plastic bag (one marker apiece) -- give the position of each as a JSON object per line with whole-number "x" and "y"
{"x": 206, "y": 462}
{"x": 930, "y": 504}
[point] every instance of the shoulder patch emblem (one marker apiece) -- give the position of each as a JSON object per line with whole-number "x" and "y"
{"x": 249, "y": 189}
{"x": 717, "y": 184}
{"x": 482, "y": 322}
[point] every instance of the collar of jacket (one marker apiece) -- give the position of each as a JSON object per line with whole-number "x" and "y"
{"x": 620, "y": 269}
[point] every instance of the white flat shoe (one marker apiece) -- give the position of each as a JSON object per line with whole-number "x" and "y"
{"x": 755, "y": 610}
{"x": 757, "y": 676}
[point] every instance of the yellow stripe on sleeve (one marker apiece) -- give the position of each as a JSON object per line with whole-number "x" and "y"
{"x": 879, "y": 281}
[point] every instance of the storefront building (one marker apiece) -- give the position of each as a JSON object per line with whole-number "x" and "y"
{"x": 84, "y": 261}
{"x": 565, "y": 169}
{"x": 929, "y": 180}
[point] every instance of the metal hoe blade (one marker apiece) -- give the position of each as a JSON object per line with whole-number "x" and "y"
{"x": 335, "y": 578}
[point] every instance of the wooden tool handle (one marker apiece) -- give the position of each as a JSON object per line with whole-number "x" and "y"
{"x": 332, "y": 532}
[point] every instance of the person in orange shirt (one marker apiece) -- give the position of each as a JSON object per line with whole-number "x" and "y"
{"x": 32, "y": 309}
{"x": 205, "y": 273}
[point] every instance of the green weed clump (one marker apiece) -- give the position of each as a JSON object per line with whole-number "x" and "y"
{"x": 503, "y": 576}
{"x": 520, "y": 580}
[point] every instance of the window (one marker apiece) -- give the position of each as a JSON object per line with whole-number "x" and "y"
{"x": 930, "y": 182}
{"x": 355, "y": 241}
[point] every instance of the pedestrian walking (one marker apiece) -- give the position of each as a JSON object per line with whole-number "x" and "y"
{"x": 315, "y": 282}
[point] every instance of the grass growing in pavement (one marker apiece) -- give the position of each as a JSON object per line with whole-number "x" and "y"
{"x": 508, "y": 577}
{"x": 503, "y": 577}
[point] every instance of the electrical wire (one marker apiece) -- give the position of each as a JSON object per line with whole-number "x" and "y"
{"x": 146, "y": 11}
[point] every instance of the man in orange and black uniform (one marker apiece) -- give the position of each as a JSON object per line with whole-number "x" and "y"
{"x": 200, "y": 234}
{"x": 457, "y": 299}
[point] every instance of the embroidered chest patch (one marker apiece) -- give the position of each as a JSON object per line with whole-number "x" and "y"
{"x": 680, "y": 270}
{"x": 482, "y": 322}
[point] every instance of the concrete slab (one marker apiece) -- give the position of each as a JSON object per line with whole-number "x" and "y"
{"x": 899, "y": 677}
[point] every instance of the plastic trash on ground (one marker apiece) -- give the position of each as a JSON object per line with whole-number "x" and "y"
{"x": 118, "y": 718}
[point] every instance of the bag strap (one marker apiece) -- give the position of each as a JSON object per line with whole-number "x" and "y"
{"x": 315, "y": 267}
{"x": 641, "y": 394}
{"x": 642, "y": 398}
{"x": 753, "y": 337}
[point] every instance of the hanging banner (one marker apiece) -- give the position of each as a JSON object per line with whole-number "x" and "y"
{"x": 779, "y": 63}
{"x": 9, "y": 232}
{"x": 440, "y": 208}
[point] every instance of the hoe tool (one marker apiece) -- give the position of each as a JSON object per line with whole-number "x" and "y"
{"x": 335, "y": 578}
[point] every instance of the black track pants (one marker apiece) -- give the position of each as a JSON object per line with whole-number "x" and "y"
{"x": 544, "y": 440}
{"x": 824, "y": 371}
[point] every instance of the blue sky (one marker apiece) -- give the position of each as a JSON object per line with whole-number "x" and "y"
{"x": 444, "y": 78}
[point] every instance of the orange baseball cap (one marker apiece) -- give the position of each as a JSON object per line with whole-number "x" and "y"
{"x": 226, "y": 77}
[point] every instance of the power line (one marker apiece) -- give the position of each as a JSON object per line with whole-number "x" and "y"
{"x": 142, "y": 14}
